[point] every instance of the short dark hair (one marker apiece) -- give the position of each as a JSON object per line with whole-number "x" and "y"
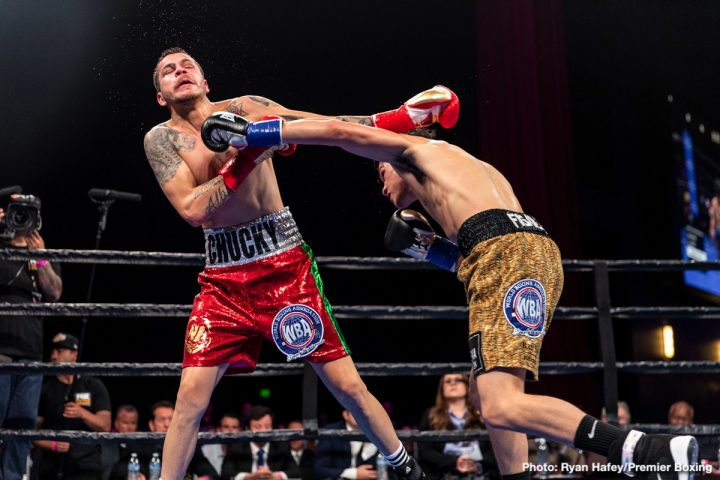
{"x": 126, "y": 408}
{"x": 165, "y": 53}
{"x": 160, "y": 404}
{"x": 257, "y": 412}
{"x": 230, "y": 415}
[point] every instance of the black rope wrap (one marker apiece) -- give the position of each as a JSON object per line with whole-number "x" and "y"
{"x": 345, "y": 312}
{"x": 365, "y": 369}
{"x": 121, "y": 257}
{"x": 281, "y": 435}
{"x": 375, "y": 312}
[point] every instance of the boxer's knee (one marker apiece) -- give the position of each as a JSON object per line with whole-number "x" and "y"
{"x": 501, "y": 412}
{"x": 193, "y": 397}
{"x": 353, "y": 391}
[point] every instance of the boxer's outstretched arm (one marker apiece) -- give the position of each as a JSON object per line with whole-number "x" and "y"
{"x": 195, "y": 203}
{"x": 373, "y": 143}
{"x": 254, "y": 107}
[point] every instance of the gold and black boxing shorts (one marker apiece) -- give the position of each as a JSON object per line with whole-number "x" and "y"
{"x": 513, "y": 278}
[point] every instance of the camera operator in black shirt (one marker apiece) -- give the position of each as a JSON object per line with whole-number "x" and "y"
{"x": 21, "y": 338}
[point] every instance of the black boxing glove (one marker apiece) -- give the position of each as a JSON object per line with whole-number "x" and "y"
{"x": 410, "y": 233}
{"x": 223, "y": 129}
{"x": 219, "y": 130}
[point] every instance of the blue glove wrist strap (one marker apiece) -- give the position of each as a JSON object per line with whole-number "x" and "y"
{"x": 443, "y": 253}
{"x": 267, "y": 133}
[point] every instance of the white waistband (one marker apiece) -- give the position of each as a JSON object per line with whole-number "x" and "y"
{"x": 260, "y": 238}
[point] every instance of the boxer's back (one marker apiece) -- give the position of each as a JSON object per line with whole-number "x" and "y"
{"x": 456, "y": 184}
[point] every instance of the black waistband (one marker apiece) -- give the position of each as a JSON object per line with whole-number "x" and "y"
{"x": 493, "y": 223}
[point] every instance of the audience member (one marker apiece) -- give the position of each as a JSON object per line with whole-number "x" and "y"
{"x": 623, "y": 414}
{"x": 302, "y": 456}
{"x": 256, "y": 460}
{"x": 126, "y": 421}
{"x": 337, "y": 458}
{"x": 681, "y": 413}
{"x": 453, "y": 410}
{"x": 71, "y": 402}
{"x": 215, "y": 452}
{"x": 21, "y": 340}
{"x": 160, "y": 416}
{"x": 623, "y": 419}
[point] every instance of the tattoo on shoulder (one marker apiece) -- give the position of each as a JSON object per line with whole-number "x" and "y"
{"x": 236, "y": 107}
{"x": 263, "y": 101}
{"x": 162, "y": 146}
{"x": 217, "y": 198}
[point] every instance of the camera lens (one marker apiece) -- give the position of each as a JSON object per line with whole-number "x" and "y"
{"x": 21, "y": 219}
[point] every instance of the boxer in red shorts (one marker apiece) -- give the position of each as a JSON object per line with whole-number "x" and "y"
{"x": 260, "y": 280}
{"x": 239, "y": 305}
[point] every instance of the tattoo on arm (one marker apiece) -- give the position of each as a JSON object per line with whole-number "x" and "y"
{"x": 237, "y": 108}
{"x": 162, "y": 146}
{"x": 362, "y": 120}
{"x": 207, "y": 186}
{"x": 263, "y": 101}
{"x": 50, "y": 283}
{"x": 217, "y": 198}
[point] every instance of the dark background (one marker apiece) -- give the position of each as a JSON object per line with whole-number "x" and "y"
{"x": 568, "y": 98}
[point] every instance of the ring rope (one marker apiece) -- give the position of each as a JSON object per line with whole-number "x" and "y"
{"x": 120, "y": 369}
{"x": 215, "y": 437}
{"x": 284, "y": 435}
{"x": 121, "y": 257}
{"x": 374, "y": 312}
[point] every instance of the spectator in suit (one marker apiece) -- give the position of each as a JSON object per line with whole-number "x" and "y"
{"x": 255, "y": 460}
{"x": 453, "y": 410}
{"x": 341, "y": 459}
{"x": 215, "y": 452}
{"x": 302, "y": 456}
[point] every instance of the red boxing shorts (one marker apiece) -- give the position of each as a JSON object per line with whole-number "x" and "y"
{"x": 260, "y": 281}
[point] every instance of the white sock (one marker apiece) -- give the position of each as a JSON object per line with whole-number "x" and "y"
{"x": 398, "y": 457}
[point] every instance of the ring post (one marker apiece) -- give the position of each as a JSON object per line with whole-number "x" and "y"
{"x": 607, "y": 339}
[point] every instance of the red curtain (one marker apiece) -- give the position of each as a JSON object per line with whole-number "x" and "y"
{"x": 524, "y": 110}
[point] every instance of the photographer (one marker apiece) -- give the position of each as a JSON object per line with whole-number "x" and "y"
{"x": 21, "y": 338}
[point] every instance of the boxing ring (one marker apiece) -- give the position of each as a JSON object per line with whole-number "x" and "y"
{"x": 602, "y": 311}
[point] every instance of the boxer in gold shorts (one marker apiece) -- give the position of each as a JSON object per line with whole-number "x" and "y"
{"x": 513, "y": 277}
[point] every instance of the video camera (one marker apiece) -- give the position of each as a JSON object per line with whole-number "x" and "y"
{"x": 22, "y": 214}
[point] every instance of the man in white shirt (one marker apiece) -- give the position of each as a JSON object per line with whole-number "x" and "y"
{"x": 337, "y": 458}
{"x": 215, "y": 452}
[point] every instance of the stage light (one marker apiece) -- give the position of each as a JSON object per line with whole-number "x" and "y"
{"x": 668, "y": 336}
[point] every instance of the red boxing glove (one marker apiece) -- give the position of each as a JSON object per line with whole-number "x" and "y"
{"x": 436, "y": 105}
{"x": 237, "y": 169}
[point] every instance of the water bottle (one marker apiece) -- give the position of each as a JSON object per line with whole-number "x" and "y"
{"x": 381, "y": 466}
{"x": 133, "y": 467}
{"x": 542, "y": 457}
{"x": 155, "y": 467}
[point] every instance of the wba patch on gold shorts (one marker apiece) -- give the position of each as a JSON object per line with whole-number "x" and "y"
{"x": 513, "y": 279}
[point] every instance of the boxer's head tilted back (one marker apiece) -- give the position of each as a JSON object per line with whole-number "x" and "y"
{"x": 178, "y": 78}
